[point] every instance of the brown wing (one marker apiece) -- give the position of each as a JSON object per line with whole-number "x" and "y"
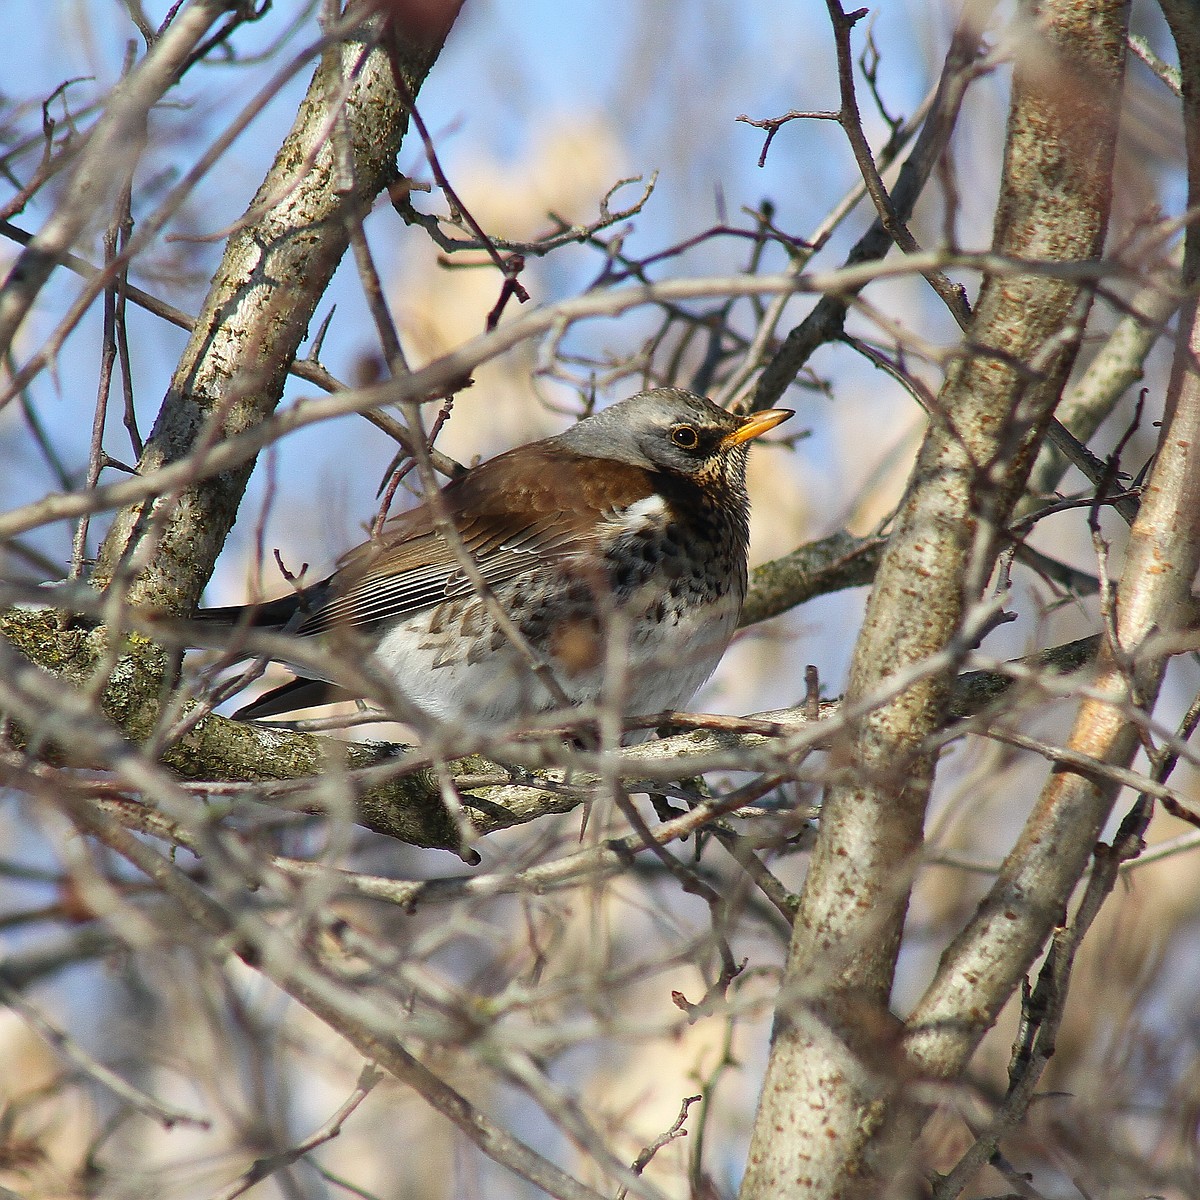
{"x": 538, "y": 501}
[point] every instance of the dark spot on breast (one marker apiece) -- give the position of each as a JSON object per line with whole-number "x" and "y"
{"x": 625, "y": 576}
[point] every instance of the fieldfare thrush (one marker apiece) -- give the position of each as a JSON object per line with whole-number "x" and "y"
{"x": 629, "y": 531}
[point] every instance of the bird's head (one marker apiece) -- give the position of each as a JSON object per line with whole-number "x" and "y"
{"x": 672, "y": 430}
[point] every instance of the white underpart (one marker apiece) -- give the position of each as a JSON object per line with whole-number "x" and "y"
{"x": 661, "y": 668}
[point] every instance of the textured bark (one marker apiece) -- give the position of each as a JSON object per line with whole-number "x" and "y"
{"x": 982, "y": 967}
{"x": 828, "y": 1091}
{"x": 275, "y": 269}
{"x": 815, "y": 569}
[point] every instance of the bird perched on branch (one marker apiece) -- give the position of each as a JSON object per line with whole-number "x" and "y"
{"x": 608, "y": 562}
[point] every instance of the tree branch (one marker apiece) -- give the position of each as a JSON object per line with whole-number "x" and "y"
{"x": 112, "y": 147}
{"x": 823, "y": 1105}
{"x": 982, "y": 966}
{"x": 276, "y": 267}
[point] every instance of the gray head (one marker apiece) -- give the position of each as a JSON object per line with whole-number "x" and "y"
{"x": 669, "y": 429}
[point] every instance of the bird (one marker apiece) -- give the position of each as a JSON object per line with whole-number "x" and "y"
{"x": 627, "y": 533}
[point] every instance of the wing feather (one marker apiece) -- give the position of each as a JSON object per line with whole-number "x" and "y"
{"x": 512, "y": 512}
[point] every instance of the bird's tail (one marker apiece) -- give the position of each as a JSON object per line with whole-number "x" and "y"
{"x": 271, "y": 614}
{"x": 299, "y": 693}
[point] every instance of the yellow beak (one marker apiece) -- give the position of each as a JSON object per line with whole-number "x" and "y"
{"x": 755, "y": 425}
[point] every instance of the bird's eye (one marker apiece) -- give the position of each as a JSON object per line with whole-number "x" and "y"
{"x": 685, "y": 437}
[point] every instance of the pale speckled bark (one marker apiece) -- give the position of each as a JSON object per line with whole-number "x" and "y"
{"x": 274, "y": 272}
{"x": 983, "y": 965}
{"x": 825, "y": 1101}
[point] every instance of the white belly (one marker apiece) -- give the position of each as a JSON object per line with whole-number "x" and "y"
{"x": 660, "y": 668}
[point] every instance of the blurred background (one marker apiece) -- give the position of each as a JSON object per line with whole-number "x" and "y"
{"x": 537, "y": 109}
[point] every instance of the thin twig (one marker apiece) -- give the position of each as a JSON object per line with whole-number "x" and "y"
{"x": 265, "y": 1167}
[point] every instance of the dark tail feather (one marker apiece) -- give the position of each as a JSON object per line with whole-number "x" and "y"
{"x": 285, "y": 614}
{"x": 288, "y": 697}
{"x": 271, "y": 614}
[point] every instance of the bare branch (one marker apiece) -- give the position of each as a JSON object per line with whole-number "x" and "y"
{"x": 111, "y": 149}
{"x": 970, "y": 470}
